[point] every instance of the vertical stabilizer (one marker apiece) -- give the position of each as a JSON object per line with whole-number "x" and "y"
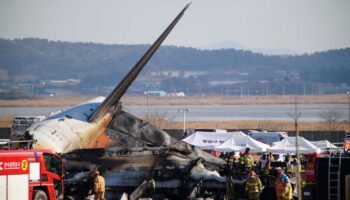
{"x": 122, "y": 87}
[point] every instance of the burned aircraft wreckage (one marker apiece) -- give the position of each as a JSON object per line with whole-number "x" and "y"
{"x": 134, "y": 156}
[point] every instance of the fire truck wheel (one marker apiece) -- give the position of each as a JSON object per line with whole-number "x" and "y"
{"x": 39, "y": 195}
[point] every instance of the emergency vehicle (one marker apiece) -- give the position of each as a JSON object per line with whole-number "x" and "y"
{"x": 30, "y": 174}
{"x": 347, "y": 144}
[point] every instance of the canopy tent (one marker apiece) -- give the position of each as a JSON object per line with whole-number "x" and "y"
{"x": 208, "y": 140}
{"x": 288, "y": 145}
{"x": 240, "y": 142}
{"x": 324, "y": 145}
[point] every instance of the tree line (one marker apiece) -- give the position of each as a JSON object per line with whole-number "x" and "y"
{"x": 103, "y": 65}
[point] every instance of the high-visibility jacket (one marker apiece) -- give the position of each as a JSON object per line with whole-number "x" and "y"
{"x": 99, "y": 184}
{"x": 253, "y": 187}
{"x": 287, "y": 191}
{"x": 249, "y": 163}
{"x": 242, "y": 159}
{"x": 279, "y": 187}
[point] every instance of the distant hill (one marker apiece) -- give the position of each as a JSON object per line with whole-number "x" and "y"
{"x": 100, "y": 64}
{"x": 238, "y": 46}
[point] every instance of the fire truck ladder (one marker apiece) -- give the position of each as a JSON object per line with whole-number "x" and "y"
{"x": 334, "y": 177}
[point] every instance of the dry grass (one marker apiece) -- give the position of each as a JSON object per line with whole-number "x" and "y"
{"x": 268, "y": 125}
{"x": 71, "y": 100}
{"x": 236, "y": 100}
{"x": 6, "y": 121}
{"x": 46, "y": 101}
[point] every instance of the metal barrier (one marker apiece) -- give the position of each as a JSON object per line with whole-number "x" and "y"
{"x": 7, "y": 144}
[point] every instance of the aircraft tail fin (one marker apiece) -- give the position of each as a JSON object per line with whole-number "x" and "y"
{"x": 122, "y": 87}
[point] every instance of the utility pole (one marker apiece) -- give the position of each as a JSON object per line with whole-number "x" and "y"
{"x": 348, "y": 94}
{"x": 296, "y": 116}
{"x": 184, "y": 110}
{"x": 147, "y": 96}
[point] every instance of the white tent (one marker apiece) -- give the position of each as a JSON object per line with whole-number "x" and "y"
{"x": 240, "y": 143}
{"x": 208, "y": 140}
{"x": 324, "y": 145}
{"x": 288, "y": 145}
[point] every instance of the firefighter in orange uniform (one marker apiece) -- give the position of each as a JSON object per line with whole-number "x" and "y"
{"x": 279, "y": 186}
{"x": 287, "y": 188}
{"x": 253, "y": 186}
{"x": 99, "y": 186}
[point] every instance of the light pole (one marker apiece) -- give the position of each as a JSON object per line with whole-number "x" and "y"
{"x": 348, "y": 94}
{"x": 184, "y": 110}
{"x": 147, "y": 96}
{"x": 296, "y": 117}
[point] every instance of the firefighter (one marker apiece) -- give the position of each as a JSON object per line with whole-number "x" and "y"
{"x": 289, "y": 161}
{"x": 241, "y": 158}
{"x": 99, "y": 186}
{"x": 248, "y": 159}
{"x": 303, "y": 161}
{"x": 232, "y": 159}
{"x": 267, "y": 168}
{"x": 253, "y": 186}
{"x": 287, "y": 188}
{"x": 279, "y": 185}
{"x": 270, "y": 157}
{"x": 270, "y": 160}
{"x": 227, "y": 158}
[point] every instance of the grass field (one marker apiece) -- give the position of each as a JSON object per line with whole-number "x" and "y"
{"x": 267, "y": 125}
{"x": 68, "y": 100}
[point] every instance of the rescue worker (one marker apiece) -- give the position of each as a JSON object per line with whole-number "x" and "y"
{"x": 232, "y": 159}
{"x": 287, "y": 188}
{"x": 248, "y": 159}
{"x": 253, "y": 186}
{"x": 279, "y": 185}
{"x": 227, "y": 157}
{"x": 269, "y": 160}
{"x": 303, "y": 161}
{"x": 99, "y": 186}
{"x": 267, "y": 168}
{"x": 241, "y": 158}
{"x": 289, "y": 161}
{"x": 222, "y": 155}
{"x": 270, "y": 157}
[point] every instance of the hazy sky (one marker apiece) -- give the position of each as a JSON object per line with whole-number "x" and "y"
{"x": 299, "y": 25}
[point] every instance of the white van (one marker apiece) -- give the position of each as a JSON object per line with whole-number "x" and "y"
{"x": 267, "y": 137}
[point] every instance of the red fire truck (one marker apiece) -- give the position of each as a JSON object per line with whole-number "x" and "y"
{"x": 310, "y": 175}
{"x": 30, "y": 174}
